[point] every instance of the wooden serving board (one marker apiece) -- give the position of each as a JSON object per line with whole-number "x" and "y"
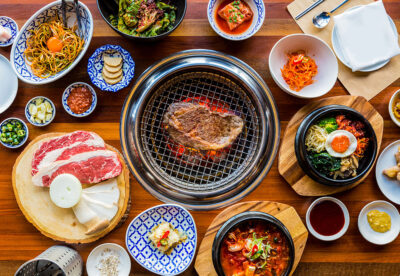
{"x": 54, "y": 222}
{"x": 288, "y": 166}
{"x": 285, "y": 213}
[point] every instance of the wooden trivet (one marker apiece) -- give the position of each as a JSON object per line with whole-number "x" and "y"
{"x": 288, "y": 166}
{"x": 57, "y": 223}
{"x": 285, "y": 213}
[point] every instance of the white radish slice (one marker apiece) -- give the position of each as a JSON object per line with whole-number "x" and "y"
{"x": 65, "y": 190}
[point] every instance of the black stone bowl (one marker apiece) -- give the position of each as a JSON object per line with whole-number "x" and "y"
{"x": 301, "y": 153}
{"x": 110, "y": 7}
{"x": 243, "y": 218}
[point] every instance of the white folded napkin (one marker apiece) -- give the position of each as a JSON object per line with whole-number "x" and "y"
{"x": 365, "y": 36}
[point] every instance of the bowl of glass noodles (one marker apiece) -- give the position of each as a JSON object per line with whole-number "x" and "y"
{"x": 46, "y": 49}
{"x": 143, "y": 20}
{"x": 335, "y": 145}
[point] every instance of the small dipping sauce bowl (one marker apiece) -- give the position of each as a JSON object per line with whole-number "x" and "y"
{"x": 327, "y": 218}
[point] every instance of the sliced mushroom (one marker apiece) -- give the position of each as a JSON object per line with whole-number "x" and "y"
{"x": 354, "y": 159}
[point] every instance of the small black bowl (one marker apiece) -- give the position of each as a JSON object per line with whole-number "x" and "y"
{"x": 110, "y": 7}
{"x": 243, "y": 218}
{"x": 301, "y": 152}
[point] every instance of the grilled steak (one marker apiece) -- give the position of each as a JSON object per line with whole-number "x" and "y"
{"x": 196, "y": 126}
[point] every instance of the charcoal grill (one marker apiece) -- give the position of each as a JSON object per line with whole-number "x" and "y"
{"x": 197, "y": 179}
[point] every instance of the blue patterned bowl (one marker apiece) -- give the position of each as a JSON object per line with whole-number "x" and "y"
{"x": 96, "y": 63}
{"x": 28, "y": 114}
{"x": 68, "y": 90}
{"x": 142, "y": 250}
{"x": 17, "y": 58}
{"x": 10, "y": 24}
{"x": 258, "y": 8}
{"x": 25, "y": 127}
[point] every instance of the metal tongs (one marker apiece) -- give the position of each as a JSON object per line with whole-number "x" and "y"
{"x": 78, "y": 16}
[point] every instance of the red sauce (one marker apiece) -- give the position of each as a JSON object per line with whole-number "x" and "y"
{"x": 327, "y": 218}
{"x": 79, "y": 100}
{"x": 223, "y": 25}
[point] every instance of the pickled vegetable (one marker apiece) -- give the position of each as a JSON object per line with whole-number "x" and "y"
{"x": 12, "y": 133}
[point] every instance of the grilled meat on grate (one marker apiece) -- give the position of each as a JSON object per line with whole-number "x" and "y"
{"x": 196, "y": 126}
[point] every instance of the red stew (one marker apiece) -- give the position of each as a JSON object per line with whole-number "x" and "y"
{"x": 255, "y": 248}
{"x": 79, "y": 100}
{"x": 225, "y": 24}
{"x": 327, "y": 218}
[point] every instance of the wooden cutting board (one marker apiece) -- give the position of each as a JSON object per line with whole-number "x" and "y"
{"x": 54, "y": 222}
{"x": 285, "y": 213}
{"x": 287, "y": 162}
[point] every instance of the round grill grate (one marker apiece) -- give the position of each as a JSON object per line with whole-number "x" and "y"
{"x": 187, "y": 168}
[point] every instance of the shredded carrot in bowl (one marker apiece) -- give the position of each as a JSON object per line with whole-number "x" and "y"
{"x": 299, "y": 71}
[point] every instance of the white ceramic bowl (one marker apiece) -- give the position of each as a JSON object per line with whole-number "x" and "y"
{"x": 394, "y": 119}
{"x": 346, "y": 219}
{"x": 316, "y": 49}
{"x": 95, "y": 256}
{"x": 17, "y": 58}
{"x": 375, "y": 237}
{"x": 28, "y": 115}
{"x": 258, "y": 8}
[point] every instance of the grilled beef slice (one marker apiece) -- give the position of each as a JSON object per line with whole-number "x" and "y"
{"x": 196, "y": 126}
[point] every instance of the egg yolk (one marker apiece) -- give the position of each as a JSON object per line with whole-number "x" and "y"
{"x": 340, "y": 143}
{"x": 54, "y": 44}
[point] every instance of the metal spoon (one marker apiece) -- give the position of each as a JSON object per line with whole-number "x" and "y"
{"x": 322, "y": 19}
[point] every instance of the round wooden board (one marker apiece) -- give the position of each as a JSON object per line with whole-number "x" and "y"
{"x": 287, "y": 161}
{"x": 54, "y": 222}
{"x": 285, "y": 213}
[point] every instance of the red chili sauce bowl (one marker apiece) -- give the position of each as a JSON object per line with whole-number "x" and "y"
{"x": 327, "y": 218}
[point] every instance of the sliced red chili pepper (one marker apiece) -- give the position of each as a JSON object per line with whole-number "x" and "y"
{"x": 163, "y": 237}
{"x": 254, "y": 250}
{"x": 298, "y": 59}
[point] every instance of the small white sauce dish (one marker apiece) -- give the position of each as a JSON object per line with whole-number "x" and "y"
{"x": 375, "y": 237}
{"x": 10, "y": 25}
{"x": 315, "y": 48}
{"x": 102, "y": 251}
{"x": 258, "y": 9}
{"x": 392, "y": 116}
{"x": 28, "y": 114}
{"x": 345, "y": 213}
{"x": 66, "y": 94}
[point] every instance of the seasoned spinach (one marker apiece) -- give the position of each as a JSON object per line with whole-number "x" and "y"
{"x": 324, "y": 163}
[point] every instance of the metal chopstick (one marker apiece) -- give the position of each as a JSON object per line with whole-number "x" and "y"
{"x": 308, "y": 9}
{"x": 64, "y": 12}
{"x": 78, "y": 18}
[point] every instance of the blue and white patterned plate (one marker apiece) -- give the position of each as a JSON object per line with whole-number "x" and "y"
{"x": 10, "y": 24}
{"x": 28, "y": 114}
{"x": 96, "y": 63}
{"x": 17, "y": 57}
{"x": 258, "y": 8}
{"x": 68, "y": 90}
{"x": 25, "y": 127}
{"x": 140, "y": 247}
